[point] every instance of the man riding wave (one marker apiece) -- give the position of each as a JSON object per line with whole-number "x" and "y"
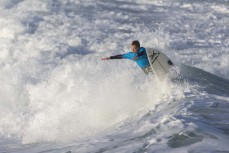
{"x": 138, "y": 55}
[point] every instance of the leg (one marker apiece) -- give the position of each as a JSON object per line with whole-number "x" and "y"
{"x": 148, "y": 70}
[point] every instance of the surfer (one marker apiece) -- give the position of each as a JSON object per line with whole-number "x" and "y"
{"x": 137, "y": 55}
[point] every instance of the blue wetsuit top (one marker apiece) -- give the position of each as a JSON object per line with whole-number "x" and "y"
{"x": 142, "y": 59}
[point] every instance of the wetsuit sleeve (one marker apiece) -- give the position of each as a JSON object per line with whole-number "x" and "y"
{"x": 128, "y": 56}
{"x": 116, "y": 57}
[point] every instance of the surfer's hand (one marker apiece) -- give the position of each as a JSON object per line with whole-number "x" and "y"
{"x": 106, "y": 58}
{"x": 134, "y": 58}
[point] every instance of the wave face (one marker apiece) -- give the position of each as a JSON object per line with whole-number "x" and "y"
{"x": 56, "y": 95}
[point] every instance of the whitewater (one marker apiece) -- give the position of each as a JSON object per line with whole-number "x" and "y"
{"x": 57, "y": 96}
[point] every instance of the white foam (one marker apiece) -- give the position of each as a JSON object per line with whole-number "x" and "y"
{"x": 220, "y": 8}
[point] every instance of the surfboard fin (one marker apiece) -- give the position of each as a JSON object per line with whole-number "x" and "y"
{"x": 170, "y": 62}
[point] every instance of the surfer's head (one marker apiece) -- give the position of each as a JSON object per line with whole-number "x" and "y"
{"x": 135, "y": 46}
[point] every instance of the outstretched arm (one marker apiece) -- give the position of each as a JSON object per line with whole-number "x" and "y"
{"x": 112, "y": 57}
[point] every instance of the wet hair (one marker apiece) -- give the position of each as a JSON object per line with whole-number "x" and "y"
{"x": 136, "y": 43}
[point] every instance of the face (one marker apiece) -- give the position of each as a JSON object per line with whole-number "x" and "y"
{"x": 134, "y": 49}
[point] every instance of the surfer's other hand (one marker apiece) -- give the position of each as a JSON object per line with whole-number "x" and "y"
{"x": 134, "y": 58}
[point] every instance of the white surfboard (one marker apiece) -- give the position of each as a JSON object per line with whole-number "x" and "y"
{"x": 159, "y": 62}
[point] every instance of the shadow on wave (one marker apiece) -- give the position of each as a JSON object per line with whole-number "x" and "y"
{"x": 209, "y": 82}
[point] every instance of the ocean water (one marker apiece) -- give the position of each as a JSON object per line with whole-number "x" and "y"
{"x": 57, "y": 96}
